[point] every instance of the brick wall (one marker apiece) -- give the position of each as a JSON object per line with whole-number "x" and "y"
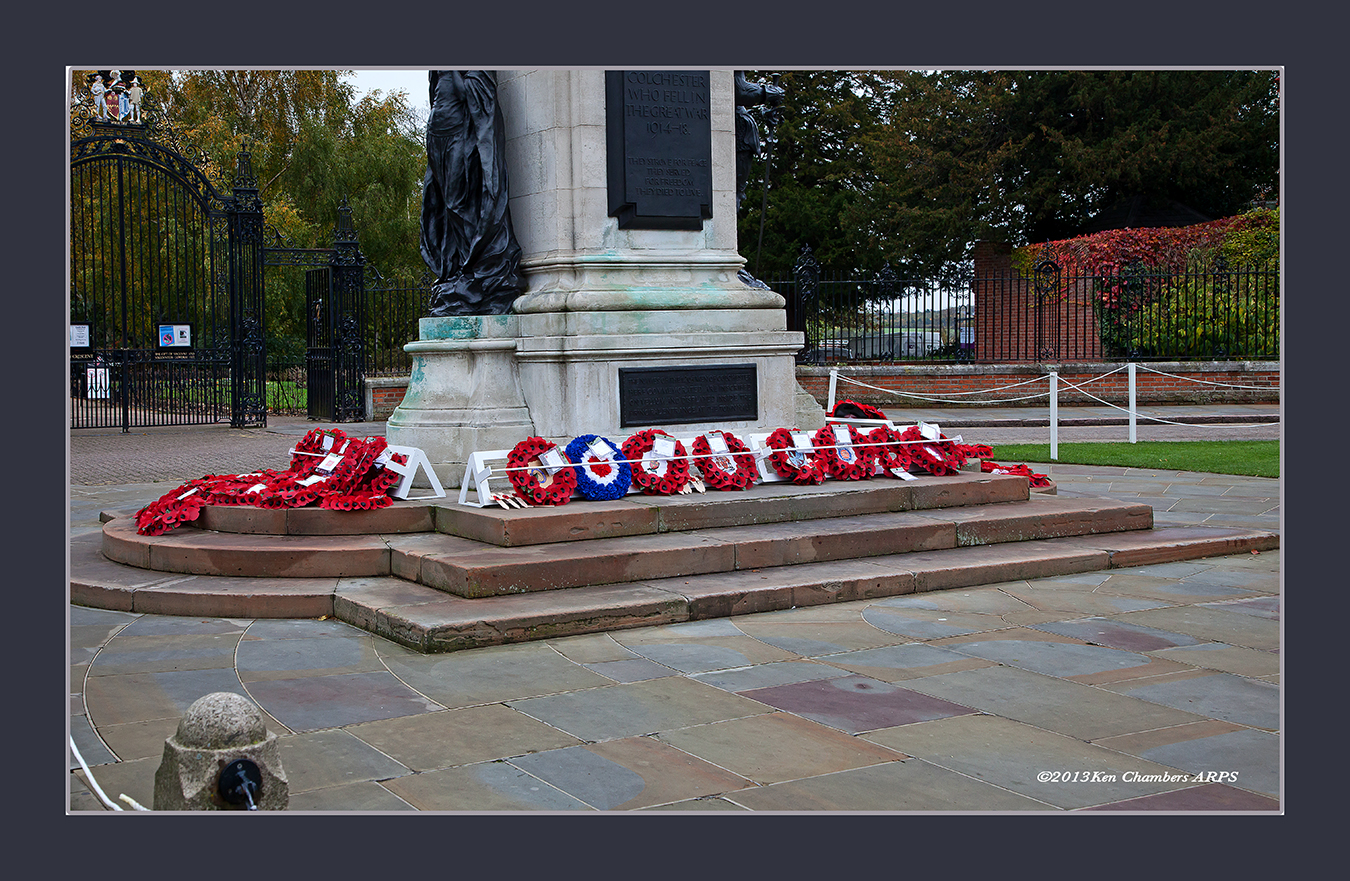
{"x": 1013, "y": 323}
{"x": 383, "y": 395}
{"x": 1150, "y": 388}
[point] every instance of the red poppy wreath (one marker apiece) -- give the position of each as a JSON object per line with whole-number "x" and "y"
{"x": 339, "y": 472}
{"x": 660, "y": 463}
{"x": 726, "y": 462}
{"x": 844, "y": 460}
{"x": 891, "y": 454}
{"x": 936, "y": 457}
{"x": 540, "y": 472}
{"x": 799, "y": 466}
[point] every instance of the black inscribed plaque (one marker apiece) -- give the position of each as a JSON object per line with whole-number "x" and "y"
{"x": 680, "y": 395}
{"x": 658, "y": 130}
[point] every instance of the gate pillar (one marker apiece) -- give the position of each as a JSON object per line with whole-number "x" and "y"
{"x": 248, "y": 361}
{"x": 349, "y": 317}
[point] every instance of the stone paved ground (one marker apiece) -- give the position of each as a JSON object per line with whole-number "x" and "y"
{"x": 1155, "y": 688}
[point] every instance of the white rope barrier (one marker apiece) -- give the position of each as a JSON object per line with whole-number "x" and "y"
{"x": 1254, "y": 388}
{"x": 761, "y": 453}
{"x": 952, "y": 398}
{"x": 1170, "y": 422}
{"x": 956, "y": 394}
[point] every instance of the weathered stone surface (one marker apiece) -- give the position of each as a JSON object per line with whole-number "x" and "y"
{"x": 1042, "y": 517}
{"x": 198, "y": 552}
{"x": 217, "y": 730}
{"x": 1178, "y": 543}
{"x": 968, "y": 489}
{"x": 839, "y": 538}
{"x": 571, "y": 522}
{"x": 497, "y": 571}
{"x": 500, "y": 620}
{"x": 226, "y": 596}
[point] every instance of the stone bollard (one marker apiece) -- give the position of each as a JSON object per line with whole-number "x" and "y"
{"x": 221, "y": 734}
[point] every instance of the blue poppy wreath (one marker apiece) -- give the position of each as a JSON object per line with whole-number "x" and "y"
{"x": 600, "y": 477}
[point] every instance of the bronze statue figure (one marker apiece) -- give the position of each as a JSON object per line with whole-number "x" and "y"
{"x": 467, "y": 238}
{"x": 749, "y": 94}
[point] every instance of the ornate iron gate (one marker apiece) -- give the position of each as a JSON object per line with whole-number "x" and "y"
{"x": 166, "y": 308}
{"x": 335, "y": 348}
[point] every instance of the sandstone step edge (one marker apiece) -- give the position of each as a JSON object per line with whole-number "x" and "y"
{"x": 638, "y": 514}
{"x": 490, "y": 571}
{"x": 456, "y": 623}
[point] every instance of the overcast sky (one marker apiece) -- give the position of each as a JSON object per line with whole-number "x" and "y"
{"x": 414, "y": 82}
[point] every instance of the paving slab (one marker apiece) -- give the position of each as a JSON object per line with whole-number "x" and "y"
{"x": 1080, "y": 711}
{"x": 1051, "y": 768}
{"x": 324, "y": 759}
{"x": 629, "y": 773}
{"x": 466, "y": 736}
{"x": 776, "y": 746}
{"x": 491, "y": 675}
{"x": 482, "y": 788}
{"x": 897, "y": 663}
{"x": 1212, "y": 624}
{"x": 907, "y": 785}
{"x": 855, "y": 704}
{"x": 309, "y": 703}
{"x": 1205, "y": 798}
{"x": 1217, "y": 695}
{"x": 1225, "y": 658}
{"x": 638, "y": 708}
{"x": 1245, "y": 758}
{"x": 361, "y": 797}
{"x": 138, "y": 697}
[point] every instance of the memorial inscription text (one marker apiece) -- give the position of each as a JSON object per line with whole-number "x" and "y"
{"x": 659, "y": 141}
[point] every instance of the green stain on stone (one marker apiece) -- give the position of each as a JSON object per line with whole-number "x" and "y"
{"x": 455, "y": 328}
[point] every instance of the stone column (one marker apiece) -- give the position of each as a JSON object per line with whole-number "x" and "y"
{"x": 657, "y": 303}
{"x": 602, "y": 298}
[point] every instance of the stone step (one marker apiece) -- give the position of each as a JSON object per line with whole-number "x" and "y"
{"x": 638, "y": 514}
{"x": 474, "y": 569}
{"x": 430, "y": 620}
{"x": 488, "y": 570}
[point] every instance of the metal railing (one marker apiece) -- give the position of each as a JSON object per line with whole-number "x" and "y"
{"x": 1218, "y": 314}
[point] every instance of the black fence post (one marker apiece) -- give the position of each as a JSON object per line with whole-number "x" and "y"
{"x": 806, "y": 278}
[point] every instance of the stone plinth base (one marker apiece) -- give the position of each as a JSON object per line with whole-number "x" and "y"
{"x": 488, "y": 382}
{"x": 464, "y": 393}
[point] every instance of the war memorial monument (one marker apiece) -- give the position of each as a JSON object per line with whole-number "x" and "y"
{"x": 620, "y": 307}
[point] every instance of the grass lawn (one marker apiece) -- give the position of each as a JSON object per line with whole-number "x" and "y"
{"x": 1259, "y": 458}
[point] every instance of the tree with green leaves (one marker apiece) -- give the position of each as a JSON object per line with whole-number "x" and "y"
{"x": 313, "y": 144}
{"x": 913, "y": 167}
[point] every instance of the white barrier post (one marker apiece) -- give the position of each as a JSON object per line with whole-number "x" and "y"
{"x": 1054, "y": 416}
{"x": 834, "y": 379}
{"x": 1132, "y": 415}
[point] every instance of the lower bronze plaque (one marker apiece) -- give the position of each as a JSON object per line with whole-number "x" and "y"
{"x": 680, "y": 395}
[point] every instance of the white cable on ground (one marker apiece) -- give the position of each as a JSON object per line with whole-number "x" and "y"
{"x": 88, "y": 775}
{"x": 1254, "y": 388}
